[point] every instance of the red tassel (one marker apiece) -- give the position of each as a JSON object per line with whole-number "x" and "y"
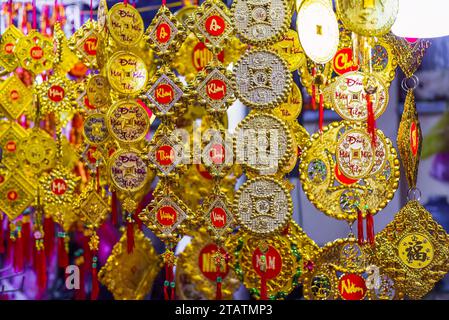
{"x": 263, "y": 288}
{"x": 26, "y": 236}
{"x": 49, "y": 235}
{"x": 166, "y": 283}
{"x": 41, "y": 270}
{"x": 18, "y": 253}
{"x": 114, "y": 213}
{"x": 371, "y": 121}
{"x": 360, "y": 227}
{"x": 130, "y": 236}
{"x": 2, "y": 235}
{"x": 218, "y": 293}
{"x": 87, "y": 252}
{"x": 138, "y": 221}
{"x": 95, "y": 286}
{"x": 172, "y": 281}
{"x": 313, "y": 90}
{"x": 9, "y": 243}
{"x": 63, "y": 257}
{"x": 321, "y": 115}
{"x": 370, "y": 228}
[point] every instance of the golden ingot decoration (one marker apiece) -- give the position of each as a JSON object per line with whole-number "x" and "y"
{"x": 263, "y": 206}
{"x": 260, "y": 22}
{"x": 15, "y": 97}
{"x": 266, "y": 143}
{"x": 409, "y": 140}
{"x": 198, "y": 265}
{"x": 211, "y": 23}
{"x": 35, "y": 52}
{"x": 318, "y": 30}
{"x": 125, "y": 24}
{"x": 128, "y": 170}
{"x": 337, "y": 195}
{"x": 36, "y": 152}
{"x": 128, "y": 121}
{"x": 367, "y": 17}
{"x": 262, "y": 79}
{"x": 289, "y": 49}
{"x": 8, "y": 43}
{"x": 130, "y": 276}
{"x": 355, "y": 154}
{"x": 413, "y": 250}
{"x": 349, "y": 96}
{"x": 290, "y": 109}
{"x": 16, "y": 194}
{"x": 127, "y": 73}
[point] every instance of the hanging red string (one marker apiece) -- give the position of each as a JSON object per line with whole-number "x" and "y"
{"x": 218, "y": 291}
{"x": 91, "y": 12}
{"x": 321, "y": 114}
{"x": 360, "y": 235}
{"x": 34, "y": 15}
{"x": 10, "y": 12}
{"x": 63, "y": 257}
{"x": 40, "y": 265}
{"x": 166, "y": 282}
{"x": 49, "y": 234}
{"x": 370, "y": 228}
{"x": 9, "y": 243}
{"x": 26, "y": 236}
{"x": 164, "y": 2}
{"x": 56, "y": 10}
{"x": 130, "y": 234}
{"x": 313, "y": 89}
{"x": 95, "y": 286}
{"x": 80, "y": 294}
{"x": 371, "y": 121}
{"x": 125, "y": 2}
{"x": 263, "y": 287}
{"x": 18, "y": 251}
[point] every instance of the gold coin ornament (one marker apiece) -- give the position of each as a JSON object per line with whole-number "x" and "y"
{"x": 263, "y": 206}
{"x": 211, "y": 23}
{"x": 35, "y": 52}
{"x": 128, "y": 121}
{"x": 413, "y": 249}
{"x": 8, "y": 43}
{"x": 95, "y": 129}
{"x": 334, "y": 193}
{"x": 130, "y": 276}
{"x": 289, "y": 49}
{"x": 125, "y": 24}
{"x": 97, "y": 91}
{"x": 127, "y": 73}
{"x": 128, "y": 171}
{"x": 15, "y": 97}
{"x": 355, "y": 154}
{"x": 349, "y": 96}
{"x": 262, "y": 79}
{"x": 290, "y": 109}
{"x": 260, "y": 22}
{"x": 269, "y": 268}
{"x": 318, "y": 30}
{"x": 102, "y": 16}
{"x": 264, "y": 143}
{"x": 368, "y": 18}
{"x": 36, "y": 152}
{"x": 165, "y": 33}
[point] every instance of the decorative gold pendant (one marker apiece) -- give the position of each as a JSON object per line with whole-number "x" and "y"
{"x": 58, "y": 186}
{"x": 289, "y": 49}
{"x": 16, "y": 194}
{"x": 35, "y": 52}
{"x": 128, "y": 170}
{"x": 290, "y": 109}
{"x": 56, "y": 95}
{"x": 11, "y": 133}
{"x": 130, "y": 276}
{"x": 413, "y": 249}
{"x": 91, "y": 207}
{"x": 127, "y": 73}
{"x": 84, "y": 43}
{"x": 8, "y": 42}
{"x": 125, "y": 24}
{"x": 15, "y": 97}
{"x": 97, "y": 91}
{"x": 217, "y": 216}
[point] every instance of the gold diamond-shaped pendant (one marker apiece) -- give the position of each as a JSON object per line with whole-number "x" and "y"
{"x": 10, "y": 135}
{"x": 84, "y": 42}
{"x": 91, "y": 207}
{"x": 130, "y": 276}
{"x": 15, "y": 97}
{"x": 8, "y": 43}
{"x": 165, "y": 33}
{"x": 16, "y": 194}
{"x": 414, "y": 250}
{"x": 212, "y": 24}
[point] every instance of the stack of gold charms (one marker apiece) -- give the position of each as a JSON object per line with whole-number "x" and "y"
{"x": 76, "y": 150}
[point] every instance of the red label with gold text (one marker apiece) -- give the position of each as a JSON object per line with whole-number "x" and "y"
{"x": 273, "y": 262}
{"x": 218, "y": 217}
{"x": 166, "y": 216}
{"x": 207, "y": 264}
{"x": 343, "y": 61}
{"x": 12, "y": 195}
{"x": 201, "y": 56}
{"x": 164, "y": 94}
{"x": 352, "y": 287}
{"x": 217, "y": 153}
{"x": 58, "y": 187}
{"x": 165, "y": 155}
{"x": 90, "y": 46}
{"x": 414, "y": 143}
{"x": 215, "y": 25}
{"x": 216, "y": 89}
{"x": 36, "y": 52}
{"x": 11, "y": 146}
{"x": 55, "y": 93}
{"x": 9, "y": 48}
{"x": 163, "y": 33}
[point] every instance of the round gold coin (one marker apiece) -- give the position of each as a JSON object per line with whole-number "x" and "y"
{"x": 127, "y": 73}
{"x": 125, "y": 24}
{"x": 128, "y": 121}
{"x": 97, "y": 91}
{"x": 289, "y": 48}
{"x": 290, "y": 110}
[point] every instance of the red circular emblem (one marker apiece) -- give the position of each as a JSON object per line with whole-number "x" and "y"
{"x": 215, "y": 25}
{"x": 14, "y": 95}
{"x": 87, "y": 103}
{"x": 207, "y": 264}
{"x": 344, "y": 62}
{"x": 164, "y": 93}
{"x": 201, "y": 56}
{"x": 218, "y": 217}
{"x": 58, "y": 186}
{"x": 36, "y": 52}
{"x": 352, "y": 287}
{"x": 166, "y": 216}
{"x": 217, "y": 153}
{"x": 11, "y": 146}
{"x": 203, "y": 171}
{"x": 163, "y": 33}
{"x": 165, "y": 155}
{"x": 2, "y": 179}
{"x": 55, "y": 93}
{"x": 90, "y": 46}
{"x": 342, "y": 178}
{"x": 9, "y": 48}
{"x": 216, "y": 89}
{"x": 414, "y": 138}
{"x": 273, "y": 262}
{"x": 12, "y": 195}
